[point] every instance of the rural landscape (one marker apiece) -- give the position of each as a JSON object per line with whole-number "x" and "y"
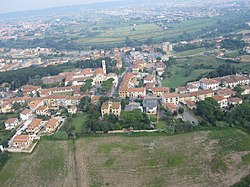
{"x": 125, "y": 93}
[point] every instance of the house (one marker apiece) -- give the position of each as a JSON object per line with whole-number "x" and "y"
{"x": 234, "y": 80}
{"x": 234, "y": 101}
{"x": 149, "y": 79}
{"x": 33, "y": 105}
{"x": 150, "y": 105}
{"x": 52, "y": 125}
{"x": 22, "y": 141}
{"x": 72, "y": 109}
{"x": 6, "y": 108}
{"x": 171, "y": 107}
{"x": 206, "y": 84}
{"x": 246, "y": 90}
{"x": 159, "y": 91}
{"x": 136, "y": 92}
{"x": 226, "y": 92}
{"x": 43, "y": 111}
{"x": 171, "y": 98}
{"x": 191, "y": 104}
{"x": 34, "y": 126}
{"x": 26, "y": 114}
{"x": 133, "y": 106}
{"x": 110, "y": 107}
{"x": 11, "y": 123}
{"x": 221, "y": 100}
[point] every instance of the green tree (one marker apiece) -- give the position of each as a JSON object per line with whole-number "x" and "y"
{"x": 210, "y": 110}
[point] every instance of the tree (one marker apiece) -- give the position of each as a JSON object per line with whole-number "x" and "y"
{"x": 84, "y": 103}
{"x": 210, "y": 110}
{"x": 87, "y": 86}
{"x": 181, "y": 110}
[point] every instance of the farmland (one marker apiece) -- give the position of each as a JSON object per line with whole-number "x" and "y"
{"x": 205, "y": 158}
{"x": 116, "y": 33}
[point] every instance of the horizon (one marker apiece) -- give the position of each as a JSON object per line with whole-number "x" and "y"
{"x": 31, "y": 5}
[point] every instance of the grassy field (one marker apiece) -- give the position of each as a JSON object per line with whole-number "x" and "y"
{"x": 205, "y": 158}
{"x": 191, "y": 52}
{"x": 184, "y": 70}
{"x": 112, "y": 34}
{"x": 78, "y": 121}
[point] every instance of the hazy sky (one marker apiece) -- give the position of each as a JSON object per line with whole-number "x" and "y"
{"x": 20, "y": 5}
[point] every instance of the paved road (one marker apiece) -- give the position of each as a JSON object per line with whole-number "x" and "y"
{"x": 189, "y": 116}
{"x": 120, "y": 78}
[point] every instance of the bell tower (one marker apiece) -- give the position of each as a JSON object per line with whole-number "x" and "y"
{"x": 104, "y": 67}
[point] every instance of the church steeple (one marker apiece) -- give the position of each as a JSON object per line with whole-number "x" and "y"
{"x": 104, "y": 67}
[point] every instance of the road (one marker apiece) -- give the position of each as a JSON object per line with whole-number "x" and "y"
{"x": 189, "y": 116}
{"x": 120, "y": 78}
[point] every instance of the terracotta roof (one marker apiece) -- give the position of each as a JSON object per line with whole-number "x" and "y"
{"x": 209, "y": 81}
{"x": 42, "y": 108}
{"x": 113, "y": 105}
{"x": 99, "y": 71}
{"x": 171, "y": 106}
{"x": 35, "y": 123}
{"x": 226, "y": 92}
{"x": 11, "y": 120}
{"x": 219, "y": 98}
{"x": 234, "y": 100}
{"x": 52, "y": 123}
{"x": 136, "y": 90}
{"x": 171, "y": 95}
{"x": 26, "y": 111}
{"x": 149, "y": 78}
{"x": 21, "y": 138}
{"x": 190, "y": 103}
{"x": 33, "y": 104}
{"x": 246, "y": 87}
{"x": 160, "y": 89}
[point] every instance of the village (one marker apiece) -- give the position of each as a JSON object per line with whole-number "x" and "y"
{"x": 43, "y": 109}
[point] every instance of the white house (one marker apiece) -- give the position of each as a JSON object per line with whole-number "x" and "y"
{"x": 26, "y": 114}
{"x": 11, "y": 123}
{"x": 206, "y": 84}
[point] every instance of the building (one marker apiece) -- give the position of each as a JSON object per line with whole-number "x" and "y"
{"x": 226, "y": 92}
{"x": 52, "y": 125}
{"x": 33, "y": 105}
{"x": 150, "y": 105}
{"x": 159, "y": 91}
{"x": 11, "y": 123}
{"x": 206, "y": 84}
{"x": 22, "y": 141}
{"x": 149, "y": 79}
{"x": 110, "y": 107}
{"x": 234, "y": 101}
{"x": 246, "y": 90}
{"x": 171, "y": 107}
{"x": 173, "y": 98}
{"x": 136, "y": 92}
{"x": 43, "y": 111}
{"x": 133, "y": 106}
{"x": 234, "y": 80}
{"x": 26, "y": 114}
{"x": 72, "y": 109}
{"x": 167, "y": 47}
{"x": 221, "y": 100}
{"x": 34, "y": 126}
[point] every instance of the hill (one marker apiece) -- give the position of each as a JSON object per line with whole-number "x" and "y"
{"x": 204, "y": 158}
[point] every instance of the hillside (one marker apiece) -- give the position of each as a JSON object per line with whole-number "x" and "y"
{"x": 205, "y": 158}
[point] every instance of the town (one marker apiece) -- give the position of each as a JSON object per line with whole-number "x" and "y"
{"x": 125, "y": 93}
{"x": 44, "y": 109}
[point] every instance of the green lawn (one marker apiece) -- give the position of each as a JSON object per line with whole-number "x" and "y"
{"x": 78, "y": 121}
{"x": 191, "y": 52}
